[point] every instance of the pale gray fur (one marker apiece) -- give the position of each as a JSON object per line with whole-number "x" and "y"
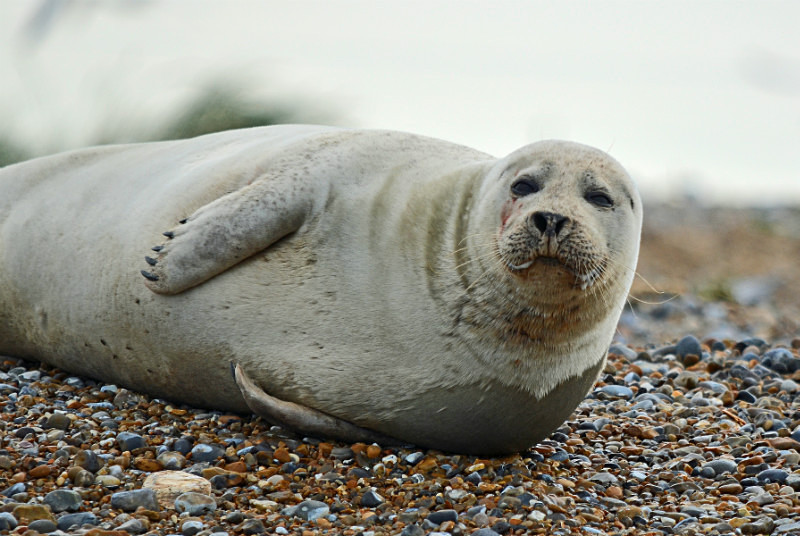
{"x": 352, "y": 272}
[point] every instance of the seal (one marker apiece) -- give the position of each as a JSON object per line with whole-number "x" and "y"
{"x": 365, "y": 285}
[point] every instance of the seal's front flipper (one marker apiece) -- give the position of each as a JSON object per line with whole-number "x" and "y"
{"x": 301, "y": 418}
{"x": 225, "y": 232}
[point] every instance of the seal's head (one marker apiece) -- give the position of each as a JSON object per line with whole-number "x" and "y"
{"x": 566, "y": 220}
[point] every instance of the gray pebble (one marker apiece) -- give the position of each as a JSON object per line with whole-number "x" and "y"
{"x": 191, "y": 527}
{"x": 371, "y": 499}
{"x": 687, "y": 346}
{"x": 58, "y": 421}
{"x": 604, "y": 479}
{"x": 42, "y": 526}
{"x": 790, "y": 386}
{"x": 251, "y": 526}
{"x": 308, "y": 510}
{"x": 195, "y": 503}
{"x": 61, "y": 500}
{"x": 440, "y": 516}
{"x": 343, "y": 453}
{"x": 721, "y": 466}
{"x": 206, "y": 453}
{"x": 129, "y": 501}
{"x": 788, "y": 528}
{"x": 485, "y": 532}
{"x": 88, "y": 460}
{"x": 781, "y": 360}
{"x": 762, "y": 526}
{"x": 79, "y": 519}
{"x": 7, "y": 521}
{"x": 772, "y": 475}
{"x": 19, "y": 487}
{"x": 617, "y": 391}
{"x": 129, "y": 441}
{"x": 414, "y": 457}
{"x": 133, "y": 526}
{"x": 413, "y": 530}
{"x": 624, "y": 351}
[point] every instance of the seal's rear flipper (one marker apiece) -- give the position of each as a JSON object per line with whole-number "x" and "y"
{"x": 227, "y": 231}
{"x": 303, "y": 419}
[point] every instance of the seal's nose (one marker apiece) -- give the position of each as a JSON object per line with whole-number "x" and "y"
{"x": 549, "y": 223}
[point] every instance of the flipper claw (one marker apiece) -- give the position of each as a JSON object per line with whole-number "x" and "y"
{"x": 149, "y": 276}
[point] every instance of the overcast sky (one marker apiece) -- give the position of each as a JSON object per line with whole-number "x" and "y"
{"x": 697, "y": 96}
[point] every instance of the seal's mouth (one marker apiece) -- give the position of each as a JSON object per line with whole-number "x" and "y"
{"x": 583, "y": 279}
{"x": 545, "y": 260}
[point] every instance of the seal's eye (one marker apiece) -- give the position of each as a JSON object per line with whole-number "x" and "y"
{"x": 600, "y": 199}
{"x": 524, "y": 187}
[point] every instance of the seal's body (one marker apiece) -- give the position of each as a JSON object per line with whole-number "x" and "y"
{"x": 381, "y": 281}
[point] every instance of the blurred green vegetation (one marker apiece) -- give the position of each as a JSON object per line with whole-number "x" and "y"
{"x": 216, "y": 108}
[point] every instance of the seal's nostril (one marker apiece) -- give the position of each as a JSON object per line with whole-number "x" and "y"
{"x": 548, "y": 222}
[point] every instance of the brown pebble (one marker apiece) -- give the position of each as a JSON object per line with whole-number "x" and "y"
{"x": 32, "y": 512}
{"x": 615, "y": 492}
{"x": 784, "y": 443}
{"x": 282, "y": 455}
{"x": 147, "y": 465}
{"x": 40, "y": 471}
{"x": 730, "y": 489}
{"x": 427, "y": 464}
{"x": 373, "y": 451}
{"x": 236, "y": 467}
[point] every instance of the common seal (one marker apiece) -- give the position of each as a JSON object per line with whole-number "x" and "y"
{"x": 365, "y": 284}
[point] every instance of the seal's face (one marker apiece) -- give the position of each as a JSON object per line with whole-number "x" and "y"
{"x": 568, "y": 221}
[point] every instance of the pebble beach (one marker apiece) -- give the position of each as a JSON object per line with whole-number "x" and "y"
{"x": 692, "y": 428}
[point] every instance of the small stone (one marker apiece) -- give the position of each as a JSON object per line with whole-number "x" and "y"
{"x": 19, "y": 487}
{"x": 772, "y": 475}
{"x": 42, "y": 526}
{"x": 62, "y": 500}
{"x": 686, "y": 347}
{"x": 342, "y": 453}
{"x": 82, "y": 478}
{"x": 789, "y": 386}
{"x": 7, "y": 521}
{"x": 190, "y": 527}
{"x": 78, "y": 519}
{"x": 195, "y": 503}
{"x": 59, "y": 421}
{"x": 784, "y": 443}
{"x": 40, "y": 471}
{"x": 134, "y": 526}
{"x": 206, "y": 453}
{"x": 781, "y": 360}
{"x": 129, "y": 501}
{"x": 371, "y": 499}
{"x": 32, "y": 512}
{"x": 107, "y": 481}
{"x": 168, "y": 485}
{"x": 416, "y": 530}
{"x": 128, "y": 441}
{"x": 485, "y": 532}
{"x": 414, "y": 457}
{"x": 308, "y": 510}
{"x": 441, "y": 516}
{"x": 617, "y": 391}
{"x": 721, "y": 466}
{"x": 604, "y": 479}
{"x": 252, "y": 526}
{"x": 733, "y": 488}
